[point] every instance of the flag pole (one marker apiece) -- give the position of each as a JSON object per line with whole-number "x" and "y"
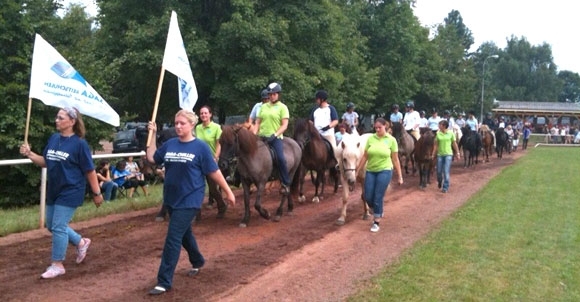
{"x": 154, "y": 115}
{"x": 27, "y": 121}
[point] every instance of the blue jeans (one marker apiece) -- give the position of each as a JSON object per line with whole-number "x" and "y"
{"x": 57, "y": 219}
{"x": 178, "y": 234}
{"x": 278, "y": 147}
{"x": 110, "y": 190}
{"x": 443, "y": 168}
{"x": 376, "y": 184}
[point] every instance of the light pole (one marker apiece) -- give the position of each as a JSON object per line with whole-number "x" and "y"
{"x": 483, "y": 85}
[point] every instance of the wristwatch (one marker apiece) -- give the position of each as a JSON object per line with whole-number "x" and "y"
{"x": 96, "y": 194}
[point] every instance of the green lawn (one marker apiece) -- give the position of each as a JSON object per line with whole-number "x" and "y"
{"x": 515, "y": 240}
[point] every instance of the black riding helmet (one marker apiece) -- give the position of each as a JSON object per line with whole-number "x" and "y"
{"x": 274, "y": 88}
{"x": 395, "y": 106}
{"x": 264, "y": 94}
{"x": 410, "y": 104}
{"x": 350, "y": 105}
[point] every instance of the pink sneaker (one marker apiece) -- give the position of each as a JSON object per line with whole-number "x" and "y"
{"x": 52, "y": 272}
{"x": 82, "y": 249}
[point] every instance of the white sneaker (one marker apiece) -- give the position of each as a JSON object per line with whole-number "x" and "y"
{"x": 52, "y": 272}
{"x": 82, "y": 250}
{"x": 375, "y": 228}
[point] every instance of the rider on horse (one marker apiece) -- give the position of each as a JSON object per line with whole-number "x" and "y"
{"x": 271, "y": 122}
{"x": 411, "y": 120}
{"x": 325, "y": 118}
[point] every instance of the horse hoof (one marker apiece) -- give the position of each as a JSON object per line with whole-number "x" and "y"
{"x": 315, "y": 200}
{"x": 339, "y": 221}
{"x": 276, "y": 219}
{"x": 243, "y": 225}
{"x": 290, "y": 213}
{"x": 301, "y": 199}
{"x": 366, "y": 216}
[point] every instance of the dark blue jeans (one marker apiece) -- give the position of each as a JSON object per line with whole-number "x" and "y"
{"x": 278, "y": 147}
{"x": 178, "y": 234}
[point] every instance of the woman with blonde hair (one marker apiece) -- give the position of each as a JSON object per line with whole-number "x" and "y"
{"x": 187, "y": 161}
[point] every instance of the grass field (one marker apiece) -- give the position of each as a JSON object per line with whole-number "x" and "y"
{"x": 26, "y": 219}
{"x": 515, "y": 240}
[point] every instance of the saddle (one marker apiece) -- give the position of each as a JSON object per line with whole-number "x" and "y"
{"x": 329, "y": 148}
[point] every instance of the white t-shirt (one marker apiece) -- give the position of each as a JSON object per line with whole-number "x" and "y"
{"x": 396, "y": 117}
{"x": 411, "y": 120}
{"x": 349, "y": 118}
{"x": 322, "y": 117}
{"x": 423, "y": 123}
{"x": 434, "y": 122}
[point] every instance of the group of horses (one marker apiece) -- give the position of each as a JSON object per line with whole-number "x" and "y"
{"x": 307, "y": 150}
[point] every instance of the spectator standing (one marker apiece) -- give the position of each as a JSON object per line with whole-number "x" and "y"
{"x": 187, "y": 161}
{"x": 69, "y": 163}
{"x": 527, "y": 133}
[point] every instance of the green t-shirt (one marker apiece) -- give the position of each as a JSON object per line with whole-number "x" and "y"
{"x": 444, "y": 143}
{"x": 210, "y": 134}
{"x": 379, "y": 151}
{"x": 271, "y": 116}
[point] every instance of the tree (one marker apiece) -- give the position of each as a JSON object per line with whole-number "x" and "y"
{"x": 527, "y": 73}
{"x": 571, "y": 89}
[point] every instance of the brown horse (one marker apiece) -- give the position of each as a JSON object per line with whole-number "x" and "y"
{"x": 406, "y": 144}
{"x": 243, "y": 149}
{"x": 424, "y": 157}
{"x": 317, "y": 155}
{"x": 487, "y": 141}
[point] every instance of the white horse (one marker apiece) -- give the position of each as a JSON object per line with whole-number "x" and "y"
{"x": 349, "y": 153}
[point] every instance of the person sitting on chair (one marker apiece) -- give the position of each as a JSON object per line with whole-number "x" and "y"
{"x": 124, "y": 178}
{"x": 108, "y": 186}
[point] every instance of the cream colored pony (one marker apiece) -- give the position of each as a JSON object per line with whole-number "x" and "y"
{"x": 349, "y": 153}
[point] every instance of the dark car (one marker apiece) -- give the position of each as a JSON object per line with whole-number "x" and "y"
{"x": 130, "y": 140}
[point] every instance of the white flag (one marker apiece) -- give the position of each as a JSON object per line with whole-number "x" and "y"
{"x": 56, "y": 83}
{"x": 175, "y": 61}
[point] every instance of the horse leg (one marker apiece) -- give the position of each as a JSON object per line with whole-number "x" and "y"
{"x": 320, "y": 181}
{"x": 302, "y": 172}
{"x": 345, "y": 192}
{"x": 246, "y": 218}
{"x": 333, "y": 174}
{"x": 258, "y": 205}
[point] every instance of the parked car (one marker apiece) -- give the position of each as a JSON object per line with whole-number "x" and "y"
{"x": 132, "y": 139}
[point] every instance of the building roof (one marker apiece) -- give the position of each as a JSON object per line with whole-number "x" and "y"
{"x": 536, "y": 107}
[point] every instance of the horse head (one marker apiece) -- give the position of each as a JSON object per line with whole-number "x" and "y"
{"x": 304, "y": 132}
{"x": 235, "y": 140}
{"x": 350, "y": 151}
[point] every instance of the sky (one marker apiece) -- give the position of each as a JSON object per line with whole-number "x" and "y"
{"x": 553, "y": 22}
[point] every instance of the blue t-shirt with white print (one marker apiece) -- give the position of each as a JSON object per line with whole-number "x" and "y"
{"x": 68, "y": 160}
{"x": 186, "y": 164}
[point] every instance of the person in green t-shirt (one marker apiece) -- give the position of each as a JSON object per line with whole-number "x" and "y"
{"x": 380, "y": 156}
{"x": 271, "y": 122}
{"x": 210, "y": 132}
{"x": 445, "y": 147}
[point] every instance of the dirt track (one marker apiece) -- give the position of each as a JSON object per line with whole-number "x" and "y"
{"x": 304, "y": 257}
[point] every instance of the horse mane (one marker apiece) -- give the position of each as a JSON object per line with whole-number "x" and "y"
{"x": 484, "y": 128}
{"x": 303, "y": 125}
{"x": 424, "y": 146}
{"x": 247, "y": 141}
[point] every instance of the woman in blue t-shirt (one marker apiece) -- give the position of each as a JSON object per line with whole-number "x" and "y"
{"x": 187, "y": 161}
{"x": 69, "y": 164}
